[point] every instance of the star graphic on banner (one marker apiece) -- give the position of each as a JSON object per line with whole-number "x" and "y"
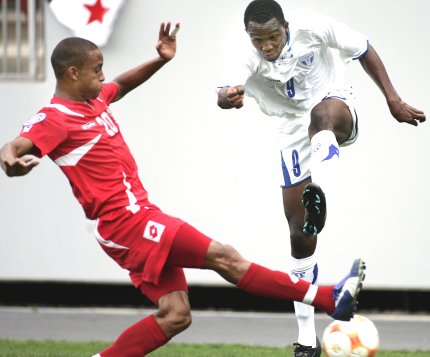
{"x": 97, "y": 11}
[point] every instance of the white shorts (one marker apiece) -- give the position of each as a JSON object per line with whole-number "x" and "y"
{"x": 295, "y": 144}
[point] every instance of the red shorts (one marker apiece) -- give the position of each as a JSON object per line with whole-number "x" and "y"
{"x": 153, "y": 247}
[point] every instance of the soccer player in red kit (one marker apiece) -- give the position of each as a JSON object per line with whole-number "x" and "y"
{"x": 79, "y": 133}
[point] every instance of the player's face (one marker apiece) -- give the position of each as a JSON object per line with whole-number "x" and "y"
{"x": 90, "y": 75}
{"x": 268, "y": 38}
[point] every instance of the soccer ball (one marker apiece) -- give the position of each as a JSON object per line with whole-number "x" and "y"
{"x": 355, "y": 338}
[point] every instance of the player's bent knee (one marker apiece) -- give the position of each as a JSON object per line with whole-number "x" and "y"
{"x": 174, "y": 313}
{"x": 319, "y": 119}
{"x": 180, "y": 320}
{"x": 175, "y": 320}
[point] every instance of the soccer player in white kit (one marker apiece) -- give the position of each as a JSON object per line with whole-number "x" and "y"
{"x": 79, "y": 132}
{"x": 295, "y": 71}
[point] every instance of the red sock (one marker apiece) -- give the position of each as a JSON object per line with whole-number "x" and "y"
{"x": 139, "y": 339}
{"x": 261, "y": 281}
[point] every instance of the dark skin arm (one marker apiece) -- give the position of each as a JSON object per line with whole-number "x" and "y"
{"x": 400, "y": 110}
{"x": 16, "y": 158}
{"x": 166, "y": 48}
{"x": 232, "y": 97}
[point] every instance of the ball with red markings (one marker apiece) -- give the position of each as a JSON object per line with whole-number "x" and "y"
{"x": 358, "y": 337}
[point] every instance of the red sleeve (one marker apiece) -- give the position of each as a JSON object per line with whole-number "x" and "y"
{"x": 45, "y": 130}
{"x": 109, "y": 92}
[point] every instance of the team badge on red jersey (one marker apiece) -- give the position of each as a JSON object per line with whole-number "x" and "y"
{"x": 36, "y": 118}
{"x": 153, "y": 231}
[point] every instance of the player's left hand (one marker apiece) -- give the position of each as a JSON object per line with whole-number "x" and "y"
{"x": 404, "y": 113}
{"x": 166, "y": 46}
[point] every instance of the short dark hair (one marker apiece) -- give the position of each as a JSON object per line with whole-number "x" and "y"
{"x": 72, "y": 51}
{"x": 261, "y": 11}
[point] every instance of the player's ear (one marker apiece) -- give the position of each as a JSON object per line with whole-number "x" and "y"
{"x": 72, "y": 72}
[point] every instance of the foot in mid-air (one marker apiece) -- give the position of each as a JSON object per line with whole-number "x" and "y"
{"x": 307, "y": 351}
{"x": 313, "y": 199}
{"x": 346, "y": 292}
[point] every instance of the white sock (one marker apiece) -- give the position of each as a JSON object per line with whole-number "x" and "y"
{"x": 324, "y": 160}
{"x": 306, "y": 269}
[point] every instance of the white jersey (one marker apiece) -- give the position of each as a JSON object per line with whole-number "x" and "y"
{"x": 310, "y": 65}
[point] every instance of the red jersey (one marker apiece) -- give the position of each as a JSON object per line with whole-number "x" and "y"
{"x": 85, "y": 141}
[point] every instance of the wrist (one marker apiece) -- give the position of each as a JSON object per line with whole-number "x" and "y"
{"x": 393, "y": 100}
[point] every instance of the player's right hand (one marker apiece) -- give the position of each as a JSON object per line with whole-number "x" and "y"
{"x": 20, "y": 166}
{"x": 235, "y": 96}
{"x": 231, "y": 97}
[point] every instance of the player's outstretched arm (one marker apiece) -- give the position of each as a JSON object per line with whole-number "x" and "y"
{"x": 15, "y": 157}
{"x": 231, "y": 97}
{"x": 166, "y": 48}
{"x": 400, "y": 110}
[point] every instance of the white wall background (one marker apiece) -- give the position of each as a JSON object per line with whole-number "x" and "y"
{"x": 219, "y": 170}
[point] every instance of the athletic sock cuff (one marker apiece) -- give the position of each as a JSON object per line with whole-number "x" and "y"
{"x": 248, "y": 276}
{"x": 324, "y": 299}
{"x": 156, "y": 331}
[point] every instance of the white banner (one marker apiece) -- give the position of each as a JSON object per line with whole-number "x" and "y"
{"x": 90, "y": 19}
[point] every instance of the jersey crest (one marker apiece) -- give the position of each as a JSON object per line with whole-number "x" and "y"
{"x": 307, "y": 59}
{"x": 36, "y": 118}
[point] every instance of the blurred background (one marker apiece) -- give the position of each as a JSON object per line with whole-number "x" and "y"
{"x": 218, "y": 170}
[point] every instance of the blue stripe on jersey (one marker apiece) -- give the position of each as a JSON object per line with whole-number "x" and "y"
{"x": 315, "y": 272}
{"x": 364, "y": 53}
{"x": 285, "y": 173}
